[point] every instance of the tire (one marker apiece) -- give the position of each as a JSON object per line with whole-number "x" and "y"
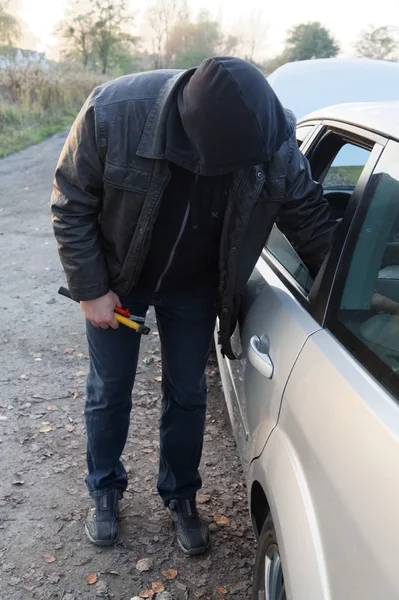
{"x": 268, "y": 579}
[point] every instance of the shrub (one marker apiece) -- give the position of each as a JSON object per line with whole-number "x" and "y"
{"x": 35, "y": 102}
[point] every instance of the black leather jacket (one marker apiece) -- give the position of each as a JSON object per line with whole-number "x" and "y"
{"x": 110, "y": 179}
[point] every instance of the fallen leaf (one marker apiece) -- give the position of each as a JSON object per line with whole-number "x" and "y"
{"x": 146, "y": 594}
{"x": 145, "y": 564}
{"x": 69, "y": 350}
{"x": 158, "y": 587}
{"x": 3, "y": 405}
{"x": 170, "y": 573}
{"x": 222, "y": 590}
{"x": 203, "y": 498}
{"x": 75, "y": 394}
{"x": 90, "y": 579}
{"x": 45, "y": 428}
{"x": 70, "y": 428}
{"x": 154, "y": 459}
{"x": 158, "y": 378}
{"x": 52, "y": 407}
{"x": 49, "y": 559}
{"x": 155, "y": 333}
{"x": 221, "y": 521}
{"x": 80, "y": 374}
{"x": 33, "y": 276}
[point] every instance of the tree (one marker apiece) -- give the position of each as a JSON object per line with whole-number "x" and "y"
{"x": 378, "y": 42}
{"x": 310, "y": 40}
{"x": 254, "y": 34}
{"x": 96, "y": 31}
{"x": 109, "y": 29}
{"x": 10, "y": 29}
{"x": 191, "y": 43}
{"x": 77, "y": 32}
{"x": 162, "y": 16}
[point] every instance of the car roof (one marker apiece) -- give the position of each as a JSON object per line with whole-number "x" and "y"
{"x": 380, "y": 117}
{"x": 305, "y": 86}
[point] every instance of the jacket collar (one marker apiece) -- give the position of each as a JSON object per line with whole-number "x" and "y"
{"x": 153, "y": 139}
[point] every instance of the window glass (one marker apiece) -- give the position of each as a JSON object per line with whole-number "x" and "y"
{"x": 340, "y": 173}
{"x": 347, "y": 167}
{"x": 368, "y": 309}
{"x": 284, "y": 252}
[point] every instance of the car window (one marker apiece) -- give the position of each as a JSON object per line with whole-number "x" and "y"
{"x": 284, "y": 252}
{"x": 366, "y": 315}
{"x": 346, "y": 167}
{"x": 340, "y": 165}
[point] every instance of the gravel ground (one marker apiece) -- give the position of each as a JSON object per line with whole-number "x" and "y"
{"x": 43, "y": 500}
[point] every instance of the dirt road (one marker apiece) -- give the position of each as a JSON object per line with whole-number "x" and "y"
{"x": 43, "y": 500}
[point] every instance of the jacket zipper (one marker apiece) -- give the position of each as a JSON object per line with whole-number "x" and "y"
{"x": 241, "y": 186}
{"x": 139, "y": 246}
{"x": 173, "y": 251}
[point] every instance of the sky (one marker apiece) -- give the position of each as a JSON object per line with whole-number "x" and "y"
{"x": 345, "y": 18}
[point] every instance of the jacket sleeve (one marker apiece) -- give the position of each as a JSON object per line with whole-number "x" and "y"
{"x": 305, "y": 216}
{"x": 76, "y": 205}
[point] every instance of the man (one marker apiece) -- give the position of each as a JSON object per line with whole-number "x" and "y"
{"x": 164, "y": 195}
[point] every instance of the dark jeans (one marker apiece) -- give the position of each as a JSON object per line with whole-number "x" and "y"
{"x": 185, "y": 327}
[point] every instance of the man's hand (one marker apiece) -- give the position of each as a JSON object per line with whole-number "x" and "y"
{"x": 100, "y": 312}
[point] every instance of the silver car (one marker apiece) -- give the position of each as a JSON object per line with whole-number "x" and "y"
{"x": 313, "y": 398}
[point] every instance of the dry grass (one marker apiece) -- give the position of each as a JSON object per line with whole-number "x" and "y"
{"x": 35, "y": 103}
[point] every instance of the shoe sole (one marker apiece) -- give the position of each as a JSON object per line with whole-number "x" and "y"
{"x": 194, "y": 551}
{"x": 100, "y": 542}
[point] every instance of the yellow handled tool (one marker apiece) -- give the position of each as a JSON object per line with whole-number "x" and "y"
{"x": 122, "y": 315}
{"x": 128, "y": 322}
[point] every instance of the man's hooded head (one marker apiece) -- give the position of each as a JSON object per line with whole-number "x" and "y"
{"x": 227, "y": 117}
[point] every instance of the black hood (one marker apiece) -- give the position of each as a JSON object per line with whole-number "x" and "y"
{"x": 226, "y": 117}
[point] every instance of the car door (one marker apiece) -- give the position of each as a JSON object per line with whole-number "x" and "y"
{"x": 340, "y": 413}
{"x": 276, "y": 319}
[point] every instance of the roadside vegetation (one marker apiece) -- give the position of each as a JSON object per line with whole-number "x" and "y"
{"x": 36, "y": 102}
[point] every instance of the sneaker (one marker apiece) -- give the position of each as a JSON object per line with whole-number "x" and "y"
{"x": 192, "y": 533}
{"x": 102, "y": 522}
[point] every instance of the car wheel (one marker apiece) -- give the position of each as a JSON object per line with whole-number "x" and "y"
{"x": 268, "y": 580}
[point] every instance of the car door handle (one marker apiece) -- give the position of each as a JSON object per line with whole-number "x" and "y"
{"x": 258, "y": 359}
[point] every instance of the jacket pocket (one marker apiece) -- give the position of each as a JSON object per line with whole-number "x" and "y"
{"x": 274, "y": 188}
{"x": 123, "y": 200}
{"x": 129, "y": 179}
